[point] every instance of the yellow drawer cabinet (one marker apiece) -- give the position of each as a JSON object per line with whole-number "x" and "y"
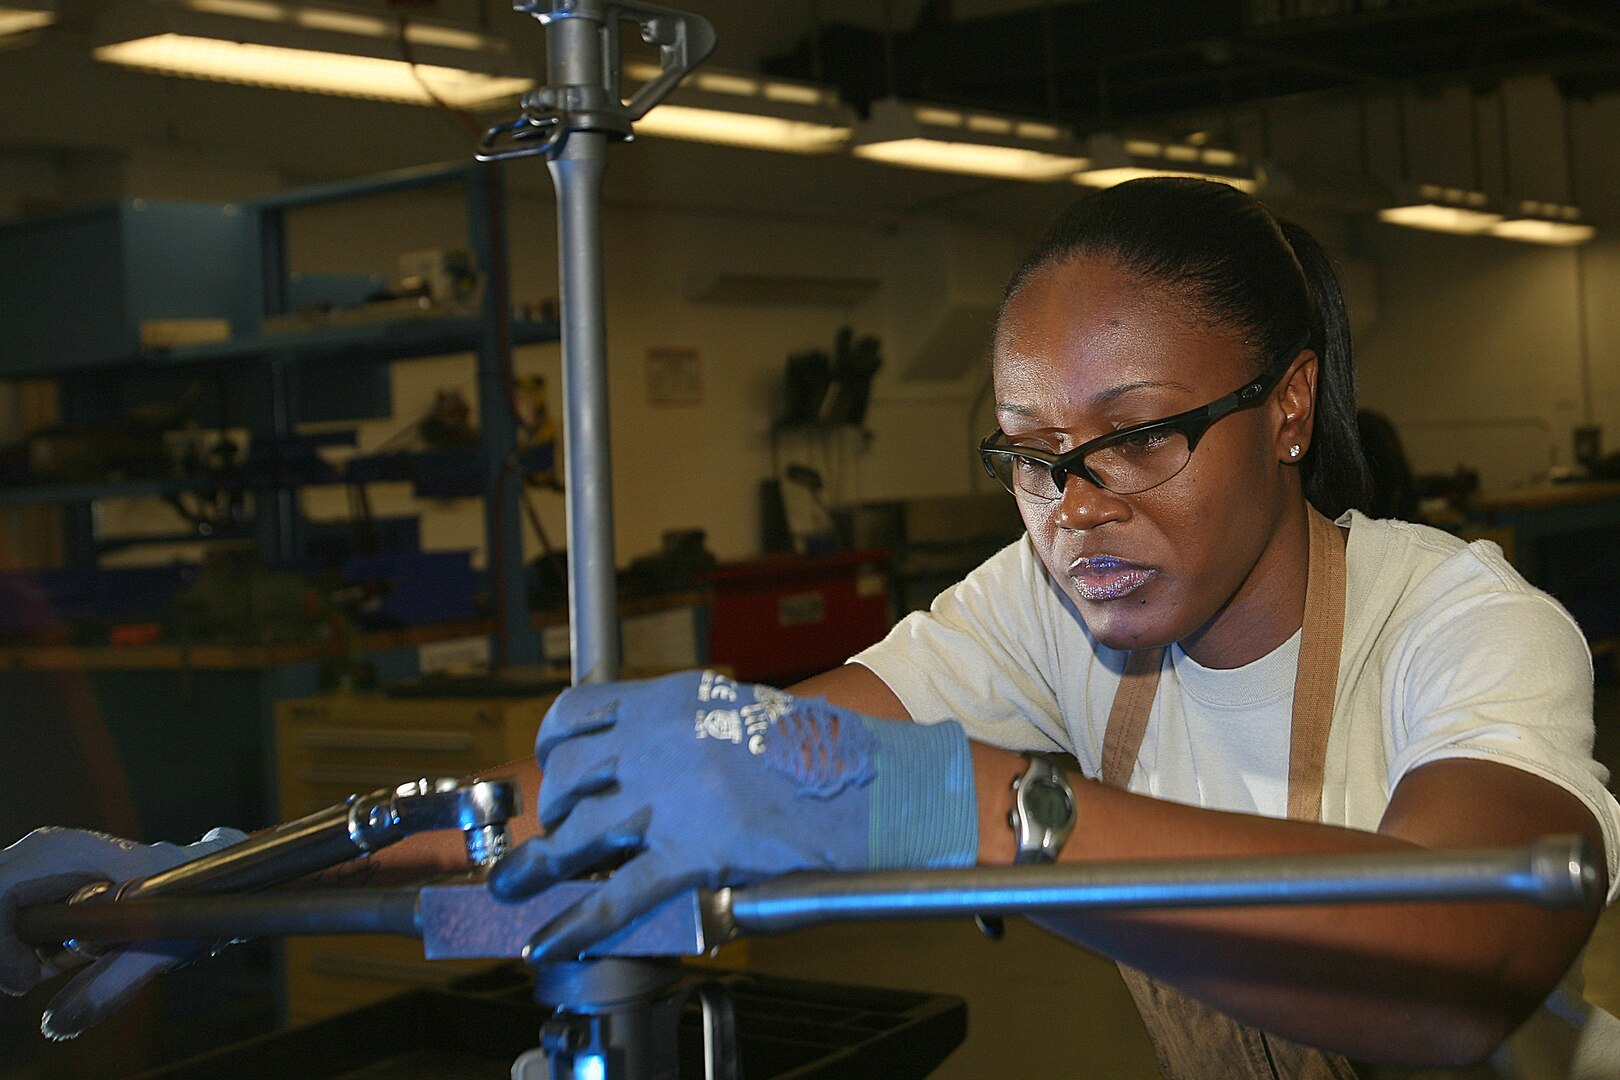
{"x": 336, "y": 745}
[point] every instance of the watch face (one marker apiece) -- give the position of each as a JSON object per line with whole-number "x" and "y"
{"x": 1048, "y": 803}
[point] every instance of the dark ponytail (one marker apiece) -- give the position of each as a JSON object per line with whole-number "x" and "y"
{"x": 1335, "y": 471}
{"x": 1238, "y": 267}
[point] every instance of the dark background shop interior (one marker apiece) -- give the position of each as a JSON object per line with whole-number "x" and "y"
{"x": 282, "y": 512}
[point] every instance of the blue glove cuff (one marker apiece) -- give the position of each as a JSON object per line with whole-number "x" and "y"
{"x": 924, "y": 805}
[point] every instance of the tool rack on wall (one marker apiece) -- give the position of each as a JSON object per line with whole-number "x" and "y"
{"x": 83, "y": 283}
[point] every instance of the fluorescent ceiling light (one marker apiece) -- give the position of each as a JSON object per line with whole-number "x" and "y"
{"x": 966, "y": 141}
{"x": 319, "y": 49}
{"x": 1536, "y": 231}
{"x": 1435, "y": 208}
{"x": 21, "y": 18}
{"x": 1115, "y": 160}
{"x": 1557, "y": 224}
{"x": 747, "y": 110}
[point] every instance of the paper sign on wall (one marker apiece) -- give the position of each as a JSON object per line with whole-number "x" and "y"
{"x": 674, "y": 377}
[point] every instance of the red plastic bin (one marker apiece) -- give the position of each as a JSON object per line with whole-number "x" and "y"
{"x": 783, "y": 618}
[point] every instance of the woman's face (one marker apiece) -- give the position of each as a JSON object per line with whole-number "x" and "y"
{"x": 1085, "y": 348}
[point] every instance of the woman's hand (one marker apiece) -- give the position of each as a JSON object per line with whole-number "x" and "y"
{"x": 703, "y": 782}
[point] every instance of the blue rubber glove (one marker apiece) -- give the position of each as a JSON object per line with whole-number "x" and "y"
{"x": 708, "y": 783}
{"x": 50, "y": 865}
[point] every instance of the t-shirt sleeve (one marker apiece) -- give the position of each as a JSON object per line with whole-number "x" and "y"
{"x": 1505, "y": 676}
{"x": 982, "y": 654}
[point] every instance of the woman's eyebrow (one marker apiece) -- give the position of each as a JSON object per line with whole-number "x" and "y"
{"x": 1114, "y": 393}
{"x": 1102, "y": 397}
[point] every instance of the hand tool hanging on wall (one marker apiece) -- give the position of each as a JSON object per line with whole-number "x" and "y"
{"x": 570, "y": 121}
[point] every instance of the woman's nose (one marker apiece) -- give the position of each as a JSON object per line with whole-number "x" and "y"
{"x": 1084, "y": 505}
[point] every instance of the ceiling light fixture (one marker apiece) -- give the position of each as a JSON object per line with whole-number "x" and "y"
{"x": 747, "y": 110}
{"x": 1434, "y": 208}
{"x": 319, "y": 49}
{"x": 1444, "y": 208}
{"x": 1116, "y": 159}
{"x": 1558, "y": 224}
{"x": 18, "y": 18}
{"x": 966, "y": 141}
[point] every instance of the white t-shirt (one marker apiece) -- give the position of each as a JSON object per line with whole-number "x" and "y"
{"x": 1448, "y": 653}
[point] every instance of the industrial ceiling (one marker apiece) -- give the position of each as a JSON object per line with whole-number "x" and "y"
{"x": 1108, "y": 62}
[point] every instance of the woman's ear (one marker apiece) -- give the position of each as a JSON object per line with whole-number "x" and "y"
{"x": 1296, "y": 402}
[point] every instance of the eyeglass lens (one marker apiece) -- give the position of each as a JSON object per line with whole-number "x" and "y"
{"x": 1124, "y": 468}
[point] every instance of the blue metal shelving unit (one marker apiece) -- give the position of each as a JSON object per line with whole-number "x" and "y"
{"x": 97, "y": 275}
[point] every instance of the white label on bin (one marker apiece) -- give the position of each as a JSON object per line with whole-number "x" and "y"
{"x": 457, "y": 654}
{"x": 870, "y": 583}
{"x": 555, "y": 643}
{"x": 661, "y": 640}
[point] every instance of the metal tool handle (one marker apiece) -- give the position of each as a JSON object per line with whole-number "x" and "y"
{"x": 355, "y": 827}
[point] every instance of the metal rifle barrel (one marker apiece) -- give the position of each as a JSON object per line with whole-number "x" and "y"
{"x": 574, "y": 54}
{"x": 1553, "y": 872}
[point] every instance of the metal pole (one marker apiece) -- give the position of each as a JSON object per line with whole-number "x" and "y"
{"x": 575, "y": 49}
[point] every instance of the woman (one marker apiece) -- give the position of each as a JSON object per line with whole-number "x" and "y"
{"x": 1176, "y": 412}
{"x": 1460, "y": 692}
{"x": 1178, "y": 579}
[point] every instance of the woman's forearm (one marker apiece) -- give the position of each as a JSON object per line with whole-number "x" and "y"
{"x": 1436, "y": 983}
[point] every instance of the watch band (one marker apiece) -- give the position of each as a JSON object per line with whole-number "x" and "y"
{"x": 1043, "y": 811}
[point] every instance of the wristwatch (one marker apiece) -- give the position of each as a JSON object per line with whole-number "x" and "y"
{"x": 1042, "y": 814}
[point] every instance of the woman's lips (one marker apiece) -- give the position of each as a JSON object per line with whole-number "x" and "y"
{"x": 1105, "y": 577}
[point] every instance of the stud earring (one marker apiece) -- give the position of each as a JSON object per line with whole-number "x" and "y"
{"x": 1293, "y": 451}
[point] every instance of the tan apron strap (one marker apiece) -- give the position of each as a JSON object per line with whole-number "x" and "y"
{"x": 1318, "y": 676}
{"x": 1192, "y": 1040}
{"x": 1128, "y": 719}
